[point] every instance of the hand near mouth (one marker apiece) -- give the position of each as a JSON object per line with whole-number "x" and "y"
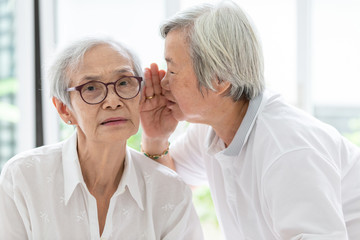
{"x": 156, "y": 119}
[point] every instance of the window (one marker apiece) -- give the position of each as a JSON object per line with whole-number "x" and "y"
{"x": 335, "y": 64}
{"x": 8, "y": 83}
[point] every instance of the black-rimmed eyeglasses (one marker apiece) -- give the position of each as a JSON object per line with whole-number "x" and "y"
{"x": 95, "y": 92}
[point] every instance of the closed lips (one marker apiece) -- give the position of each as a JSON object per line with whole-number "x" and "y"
{"x": 111, "y": 120}
{"x": 170, "y": 99}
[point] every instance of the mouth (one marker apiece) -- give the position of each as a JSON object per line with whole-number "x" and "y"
{"x": 170, "y": 103}
{"x": 114, "y": 121}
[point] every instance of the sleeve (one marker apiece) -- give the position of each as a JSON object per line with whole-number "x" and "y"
{"x": 184, "y": 223}
{"x": 302, "y": 192}
{"x": 11, "y": 223}
{"x": 188, "y": 153}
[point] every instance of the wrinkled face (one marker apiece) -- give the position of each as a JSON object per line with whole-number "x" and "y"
{"x": 114, "y": 119}
{"x": 180, "y": 82}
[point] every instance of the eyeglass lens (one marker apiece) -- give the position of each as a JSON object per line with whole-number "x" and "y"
{"x": 95, "y": 92}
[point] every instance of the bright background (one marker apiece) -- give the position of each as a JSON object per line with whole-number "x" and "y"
{"x": 311, "y": 50}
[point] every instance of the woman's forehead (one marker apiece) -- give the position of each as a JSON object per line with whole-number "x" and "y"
{"x": 100, "y": 61}
{"x": 105, "y": 57}
{"x": 105, "y": 53}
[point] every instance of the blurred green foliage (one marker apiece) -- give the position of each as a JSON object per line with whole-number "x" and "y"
{"x": 8, "y": 86}
{"x": 65, "y": 130}
{"x": 135, "y": 140}
{"x": 204, "y": 206}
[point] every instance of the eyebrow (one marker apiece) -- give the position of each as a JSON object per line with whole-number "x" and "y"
{"x": 90, "y": 78}
{"x": 170, "y": 60}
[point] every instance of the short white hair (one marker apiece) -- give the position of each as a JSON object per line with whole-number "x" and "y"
{"x": 68, "y": 60}
{"x": 223, "y": 45}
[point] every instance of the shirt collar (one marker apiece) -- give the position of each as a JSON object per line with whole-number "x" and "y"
{"x": 242, "y": 134}
{"x": 129, "y": 179}
{"x": 71, "y": 167}
{"x": 73, "y": 175}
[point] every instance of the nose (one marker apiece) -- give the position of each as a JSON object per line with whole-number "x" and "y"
{"x": 165, "y": 82}
{"x": 112, "y": 100}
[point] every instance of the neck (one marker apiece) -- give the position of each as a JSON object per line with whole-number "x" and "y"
{"x": 102, "y": 165}
{"x": 229, "y": 118}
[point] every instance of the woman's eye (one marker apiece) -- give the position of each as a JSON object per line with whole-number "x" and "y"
{"x": 123, "y": 83}
{"x": 90, "y": 88}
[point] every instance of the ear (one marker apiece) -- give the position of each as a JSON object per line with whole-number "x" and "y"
{"x": 222, "y": 87}
{"x": 63, "y": 110}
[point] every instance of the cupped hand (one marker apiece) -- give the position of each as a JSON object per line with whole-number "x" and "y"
{"x": 156, "y": 119}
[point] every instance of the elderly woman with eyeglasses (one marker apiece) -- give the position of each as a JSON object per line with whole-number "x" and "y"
{"x": 92, "y": 185}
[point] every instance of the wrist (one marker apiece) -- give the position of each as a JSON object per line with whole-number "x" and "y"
{"x": 153, "y": 146}
{"x": 155, "y": 156}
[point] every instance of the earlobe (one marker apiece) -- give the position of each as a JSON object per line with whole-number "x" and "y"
{"x": 62, "y": 109}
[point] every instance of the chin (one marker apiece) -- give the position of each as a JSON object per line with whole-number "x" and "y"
{"x": 118, "y": 136}
{"x": 189, "y": 118}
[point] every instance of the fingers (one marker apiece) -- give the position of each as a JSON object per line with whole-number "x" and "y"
{"x": 162, "y": 75}
{"x": 148, "y": 91}
{"x": 156, "y": 78}
{"x": 153, "y": 78}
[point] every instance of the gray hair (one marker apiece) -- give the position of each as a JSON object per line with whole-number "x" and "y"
{"x": 223, "y": 45}
{"x": 70, "y": 58}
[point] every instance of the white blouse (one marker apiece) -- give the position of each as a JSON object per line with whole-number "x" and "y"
{"x": 43, "y": 196}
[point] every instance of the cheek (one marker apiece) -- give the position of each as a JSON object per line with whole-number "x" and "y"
{"x": 136, "y": 117}
{"x": 175, "y": 87}
{"x": 135, "y": 123}
{"x": 180, "y": 89}
{"x": 84, "y": 115}
{"x": 135, "y": 111}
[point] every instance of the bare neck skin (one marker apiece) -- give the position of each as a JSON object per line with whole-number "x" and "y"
{"x": 102, "y": 166}
{"x": 227, "y": 118}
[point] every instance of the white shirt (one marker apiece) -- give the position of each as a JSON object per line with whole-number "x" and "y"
{"x": 285, "y": 175}
{"x": 43, "y": 196}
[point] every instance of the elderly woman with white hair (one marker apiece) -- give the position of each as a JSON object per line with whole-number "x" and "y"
{"x": 92, "y": 185}
{"x": 274, "y": 172}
